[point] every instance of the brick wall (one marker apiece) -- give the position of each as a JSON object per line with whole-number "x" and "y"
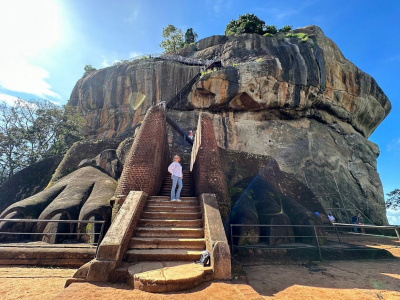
{"x": 206, "y": 165}
{"x": 148, "y": 158}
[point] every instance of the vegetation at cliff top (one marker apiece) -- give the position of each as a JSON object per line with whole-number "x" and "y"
{"x": 394, "y": 199}
{"x": 174, "y": 38}
{"x": 250, "y": 23}
{"x": 33, "y": 130}
{"x": 88, "y": 69}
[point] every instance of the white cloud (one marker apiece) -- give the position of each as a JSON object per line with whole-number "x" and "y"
{"x": 133, "y": 16}
{"x": 105, "y": 62}
{"x": 10, "y": 100}
{"x": 285, "y": 13}
{"x": 393, "y": 217}
{"x": 221, "y": 6}
{"x": 135, "y": 54}
{"x": 27, "y": 28}
{"x": 394, "y": 145}
{"x": 391, "y": 59}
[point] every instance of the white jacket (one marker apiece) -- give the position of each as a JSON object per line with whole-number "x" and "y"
{"x": 175, "y": 169}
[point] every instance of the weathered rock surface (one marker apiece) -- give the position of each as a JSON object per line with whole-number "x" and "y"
{"x": 262, "y": 194}
{"x": 338, "y": 166}
{"x": 80, "y": 151}
{"x": 115, "y": 99}
{"x": 290, "y": 78}
{"x": 28, "y": 181}
{"x": 106, "y": 161}
{"x": 82, "y": 195}
{"x": 301, "y": 103}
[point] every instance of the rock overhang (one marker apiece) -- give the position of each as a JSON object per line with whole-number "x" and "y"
{"x": 285, "y": 73}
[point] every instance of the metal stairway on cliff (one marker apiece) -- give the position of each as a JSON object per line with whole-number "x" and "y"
{"x": 183, "y": 93}
{"x": 179, "y": 130}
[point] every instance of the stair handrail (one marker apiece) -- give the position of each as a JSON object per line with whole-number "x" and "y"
{"x": 214, "y": 234}
{"x": 182, "y": 94}
{"x": 195, "y": 147}
{"x": 179, "y": 130}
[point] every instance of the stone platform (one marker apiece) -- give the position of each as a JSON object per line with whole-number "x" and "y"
{"x": 43, "y": 254}
{"x": 162, "y": 276}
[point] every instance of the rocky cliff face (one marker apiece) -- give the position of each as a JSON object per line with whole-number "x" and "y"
{"x": 300, "y": 102}
{"x": 115, "y": 99}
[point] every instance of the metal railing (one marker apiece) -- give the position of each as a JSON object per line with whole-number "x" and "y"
{"x": 100, "y": 234}
{"x": 175, "y": 57}
{"x": 323, "y": 236}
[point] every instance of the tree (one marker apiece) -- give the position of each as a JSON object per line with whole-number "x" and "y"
{"x": 190, "y": 36}
{"x": 33, "y": 130}
{"x": 394, "y": 199}
{"x": 248, "y": 23}
{"x": 286, "y": 28}
{"x": 271, "y": 29}
{"x": 173, "y": 38}
{"x": 88, "y": 69}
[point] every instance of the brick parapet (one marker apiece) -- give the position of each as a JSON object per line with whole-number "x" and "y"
{"x": 216, "y": 242}
{"x": 206, "y": 167}
{"x": 147, "y": 160}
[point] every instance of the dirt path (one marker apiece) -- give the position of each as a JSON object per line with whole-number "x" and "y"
{"x": 362, "y": 279}
{"x": 351, "y": 279}
{"x": 32, "y": 283}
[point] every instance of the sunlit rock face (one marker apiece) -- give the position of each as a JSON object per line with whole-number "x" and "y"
{"x": 301, "y": 102}
{"x": 115, "y": 99}
{"x": 288, "y": 77}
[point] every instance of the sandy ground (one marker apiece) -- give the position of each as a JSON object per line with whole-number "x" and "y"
{"x": 361, "y": 279}
{"x": 351, "y": 279}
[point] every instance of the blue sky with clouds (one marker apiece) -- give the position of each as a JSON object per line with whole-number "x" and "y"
{"x": 45, "y": 44}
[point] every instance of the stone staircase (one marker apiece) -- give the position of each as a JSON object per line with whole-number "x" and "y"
{"x": 168, "y": 238}
{"x": 187, "y": 189}
{"x": 168, "y": 231}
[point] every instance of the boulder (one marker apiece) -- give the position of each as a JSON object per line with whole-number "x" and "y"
{"x": 299, "y": 101}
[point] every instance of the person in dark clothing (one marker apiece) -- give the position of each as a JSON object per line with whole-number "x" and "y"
{"x": 354, "y": 220}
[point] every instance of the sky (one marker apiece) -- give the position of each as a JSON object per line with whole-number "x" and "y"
{"x": 45, "y": 44}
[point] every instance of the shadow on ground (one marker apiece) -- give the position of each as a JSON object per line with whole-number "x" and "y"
{"x": 271, "y": 279}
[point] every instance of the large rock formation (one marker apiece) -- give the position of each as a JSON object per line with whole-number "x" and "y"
{"x": 290, "y": 116}
{"x": 301, "y": 102}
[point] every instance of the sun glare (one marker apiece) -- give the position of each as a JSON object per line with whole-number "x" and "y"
{"x": 29, "y": 26}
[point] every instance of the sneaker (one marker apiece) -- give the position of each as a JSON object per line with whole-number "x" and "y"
{"x": 179, "y": 200}
{"x": 173, "y": 200}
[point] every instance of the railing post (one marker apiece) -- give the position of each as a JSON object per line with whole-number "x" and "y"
{"x": 100, "y": 238}
{"x": 396, "y": 229}
{"x": 337, "y": 233}
{"x": 231, "y": 240}
{"x": 318, "y": 246}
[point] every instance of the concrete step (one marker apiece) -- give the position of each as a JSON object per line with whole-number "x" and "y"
{"x": 178, "y": 208}
{"x": 172, "y": 215}
{"x": 168, "y": 190}
{"x": 169, "y": 279}
{"x": 161, "y": 276}
{"x": 182, "y": 194}
{"x": 171, "y": 223}
{"x": 185, "y": 184}
{"x": 169, "y": 232}
{"x": 173, "y": 203}
{"x": 166, "y": 243}
{"x": 166, "y": 198}
{"x": 162, "y": 254}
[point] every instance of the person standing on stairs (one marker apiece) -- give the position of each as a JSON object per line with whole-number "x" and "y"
{"x": 175, "y": 169}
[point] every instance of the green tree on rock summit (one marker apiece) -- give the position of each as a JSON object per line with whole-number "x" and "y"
{"x": 190, "y": 36}
{"x": 248, "y": 23}
{"x": 173, "y": 38}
